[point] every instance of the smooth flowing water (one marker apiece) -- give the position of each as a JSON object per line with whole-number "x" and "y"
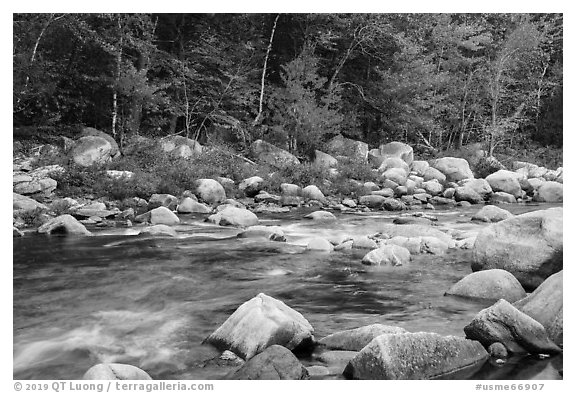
{"x": 117, "y": 297}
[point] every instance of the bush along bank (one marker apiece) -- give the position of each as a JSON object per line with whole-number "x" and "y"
{"x": 89, "y": 176}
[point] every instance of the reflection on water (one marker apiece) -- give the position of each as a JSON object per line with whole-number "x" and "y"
{"x": 151, "y": 301}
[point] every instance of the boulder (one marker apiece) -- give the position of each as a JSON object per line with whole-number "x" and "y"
{"x": 26, "y": 204}
{"x": 163, "y": 215}
{"x": 549, "y": 191}
{"x": 17, "y": 232}
{"x": 260, "y": 323}
{"x": 324, "y": 160}
{"x": 251, "y": 186}
{"x": 287, "y": 189}
{"x": 90, "y": 150}
{"x": 364, "y": 242}
{"x": 166, "y": 200}
{"x": 272, "y": 155}
{"x": 491, "y": 213}
{"x": 313, "y": 192}
{"x": 393, "y": 162}
{"x": 64, "y": 224}
{"x": 210, "y": 191}
{"x": 502, "y": 197}
{"x": 321, "y": 215}
{"x": 171, "y": 144}
{"x": 528, "y": 245}
{"x": 182, "y": 151}
{"x": 433, "y": 245}
{"x": 274, "y": 363}
{"x": 412, "y": 244}
{"x": 270, "y": 232}
{"x": 115, "y": 371}
{"x": 385, "y": 192}
{"x": 432, "y": 187}
{"x": 356, "y": 339}
{"x": 234, "y": 216}
{"x": 159, "y": 230}
{"x": 319, "y": 244}
{"x": 480, "y": 186}
{"x": 467, "y": 194}
{"x": 397, "y": 150}
{"x": 489, "y": 284}
{"x": 420, "y": 167}
{"x": 505, "y": 181}
{"x": 415, "y": 230}
{"x": 392, "y": 204}
{"x": 341, "y": 146}
{"x": 434, "y": 174}
{"x": 455, "y": 169}
{"x": 189, "y": 205}
{"x": 89, "y": 131}
{"x": 389, "y": 254}
{"x": 519, "y": 333}
{"x": 397, "y": 175}
{"x": 546, "y": 306}
{"x": 415, "y": 356}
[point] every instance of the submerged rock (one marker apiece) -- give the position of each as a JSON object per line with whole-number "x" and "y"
{"x": 356, "y": 339}
{"x": 489, "y": 284}
{"x": 270, "y": 232}
{"x": 503, "y": 323}
{"x": 321, "y": 215}
{"x": 274, "y": 363}
{"x": 546, "y": 306}
{"x": 414, "y": 356}
{"x": 259, "y": 323}
{"x": 528, "y": 245}
{"x": 116, "y": 371}
{"x": 159, "y": 229}
{"x": 65, "y": 224}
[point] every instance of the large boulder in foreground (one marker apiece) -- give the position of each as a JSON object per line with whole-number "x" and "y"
{"x": 259, "y": 323}
{"x": 90, "y": 131}
{"x": 455, "y": 169}
{"x": 90, "y": 150}
{"x": 116, "y": 371}
{"x": 529, "y": 246}
{"x": 519, "y": 332}
{"x": 210, "y": 191}
{"x": 64, "y": 224}
{"x": 234, "y": 216}
{"x": 415, "y": 356}
{"x": 274, "y": 363}
{"x": 356, "y": 339}
{"x": 489, "y": 284}
{"x": 270, "y": 154}
{"x": 546, "y": 306}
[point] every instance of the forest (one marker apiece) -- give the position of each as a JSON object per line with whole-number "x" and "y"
{"x": 435, "y": 81}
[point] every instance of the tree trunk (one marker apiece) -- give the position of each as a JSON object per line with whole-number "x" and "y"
{"x": 115, "y": 88}
{"x": 257, "y": 119}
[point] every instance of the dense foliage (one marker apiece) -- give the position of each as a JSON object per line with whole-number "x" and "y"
{"x": 436, "y": 81}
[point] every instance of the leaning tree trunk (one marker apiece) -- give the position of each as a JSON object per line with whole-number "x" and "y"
{"x": 257, "y": 119}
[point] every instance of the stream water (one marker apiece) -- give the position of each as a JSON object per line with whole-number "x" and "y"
{"x": 117, "y": 297}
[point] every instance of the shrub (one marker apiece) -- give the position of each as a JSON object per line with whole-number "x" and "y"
{"x": 355, "y": 169}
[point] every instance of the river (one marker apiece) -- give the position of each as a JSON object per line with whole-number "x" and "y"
{"x": 117, "y": 297}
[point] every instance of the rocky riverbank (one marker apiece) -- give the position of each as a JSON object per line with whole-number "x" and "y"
{"x": 511, "y": 254}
